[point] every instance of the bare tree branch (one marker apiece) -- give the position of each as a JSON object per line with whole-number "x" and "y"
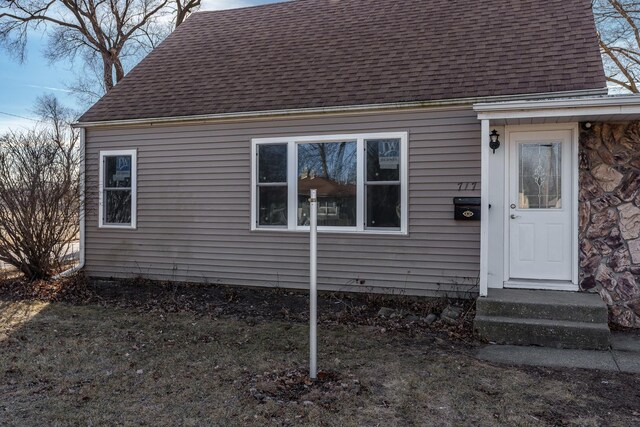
{"x": 618, "y": 23}
{"x": 40, "y": 192}
{"x": 112, "y": 33}
{"x": 184, "y": 8}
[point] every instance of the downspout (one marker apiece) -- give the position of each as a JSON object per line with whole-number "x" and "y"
{"x": 80, "y": 265}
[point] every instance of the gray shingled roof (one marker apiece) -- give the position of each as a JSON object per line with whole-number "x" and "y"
{"x": 327, "y": 53}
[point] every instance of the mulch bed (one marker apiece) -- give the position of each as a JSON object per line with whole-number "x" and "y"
{"x": 250, "y": 304}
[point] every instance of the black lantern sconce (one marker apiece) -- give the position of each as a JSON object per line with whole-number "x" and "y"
{"x": 494, "y": 143}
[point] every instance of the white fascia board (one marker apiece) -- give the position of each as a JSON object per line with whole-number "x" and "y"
{"x": 561, "y": 112}
{"x": 560, "y": 103}
{"x": 613, "y": 105}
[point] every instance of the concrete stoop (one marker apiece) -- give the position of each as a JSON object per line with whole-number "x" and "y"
{"x": 543, "y": 318}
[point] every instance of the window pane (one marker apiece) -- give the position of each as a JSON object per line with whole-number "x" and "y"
{"x": 272, "y": 206}
{"x": 117, "y": 172}
{"x": 383, "y": 206}
{"x": 383, "y": 160}
{"x": 329, "y": 168}
{"x": 540, "y": 175}
{"x": 272, "y": 163}
{"x": 117, "y": 208}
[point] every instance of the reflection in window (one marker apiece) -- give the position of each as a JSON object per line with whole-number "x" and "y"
{"x": 272, "y": 163}
{"x": 330, "y": 168}
{"x": 272, "y": 184}
{"x": 360, "y": 180}
{"x": 540, "y": 185}
{"x": 117, "y": 190}
{"x": 383, "y": 201}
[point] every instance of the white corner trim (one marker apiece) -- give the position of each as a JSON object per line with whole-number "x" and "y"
{"x": 134, "y": 191}
{"x": 575, "y": 166}
{"x": 484, "y": 209}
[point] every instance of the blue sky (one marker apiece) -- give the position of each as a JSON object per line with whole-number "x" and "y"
{"x": 22, "y": 84}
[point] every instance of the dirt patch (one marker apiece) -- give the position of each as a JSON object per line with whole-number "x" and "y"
{"x": 295, "y": 387}
{"x": 74, "y": 289}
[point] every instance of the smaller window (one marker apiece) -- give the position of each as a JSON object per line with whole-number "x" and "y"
{"x": 272, "y": 185}
{"x": 383, "y": 192}
{"x": 118, "y": 189}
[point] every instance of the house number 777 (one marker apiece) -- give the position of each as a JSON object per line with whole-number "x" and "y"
{"x": 464, "y": 186}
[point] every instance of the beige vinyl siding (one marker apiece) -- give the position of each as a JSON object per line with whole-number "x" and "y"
{"x": 194, "y": 184}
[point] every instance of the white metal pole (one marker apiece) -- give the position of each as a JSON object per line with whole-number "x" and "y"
{"x": 313, "y": 286}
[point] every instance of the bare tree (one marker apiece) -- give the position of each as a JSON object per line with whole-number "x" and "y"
{"x": 40, "y": 192}
{"x": 618, "y": 24}
{"x": 107, "y": 34}
{"x": 183, "y": 8}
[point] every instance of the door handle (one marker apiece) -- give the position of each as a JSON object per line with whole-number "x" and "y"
{"x": 514, "y": 216}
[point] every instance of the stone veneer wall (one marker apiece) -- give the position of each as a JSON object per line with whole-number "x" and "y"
{"x": 609, "y": 203}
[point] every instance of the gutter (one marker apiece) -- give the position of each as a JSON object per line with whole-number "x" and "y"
{"x": 604, "y": 101}
{"x": 81, "y": 263}
{"x": 342, "y": 109}
{"x": 624, "y": 107}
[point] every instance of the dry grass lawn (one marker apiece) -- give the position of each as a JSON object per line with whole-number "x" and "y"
{"x": 89, "y": 365}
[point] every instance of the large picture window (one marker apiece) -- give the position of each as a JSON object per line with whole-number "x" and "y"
{"x": 118, "y": 189}
{"x": 361, "y": 182}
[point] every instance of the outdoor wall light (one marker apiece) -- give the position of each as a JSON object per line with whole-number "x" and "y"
{"x": 494, "y": 144}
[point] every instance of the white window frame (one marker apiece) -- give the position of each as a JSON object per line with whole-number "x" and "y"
{"x": 134, "y": 193}
{"x": 292, "y": 188}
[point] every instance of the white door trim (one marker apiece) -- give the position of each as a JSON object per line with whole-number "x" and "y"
{"x": 484, "y": 209}
{"x": 574, "y": 128}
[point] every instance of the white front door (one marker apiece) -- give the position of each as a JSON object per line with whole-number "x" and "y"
{"x": 540, "y": 210}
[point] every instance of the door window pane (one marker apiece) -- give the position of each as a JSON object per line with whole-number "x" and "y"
{"x": 383, "y": 206}
{"x": 330, "y": 168}
{"x": 383, "y": 160}
{"x": 272, "y": 165}
{"x": 272, "y": 205}
{"x": 540, "y": 175}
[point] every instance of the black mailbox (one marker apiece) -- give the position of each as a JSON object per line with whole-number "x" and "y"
{"x": 467, "y": 208}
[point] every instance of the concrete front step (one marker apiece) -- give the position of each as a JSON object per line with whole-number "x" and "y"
{"x": 543, "y": 332}
{"x": 543, "y": 318}
{"x": 533, "y": 304}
